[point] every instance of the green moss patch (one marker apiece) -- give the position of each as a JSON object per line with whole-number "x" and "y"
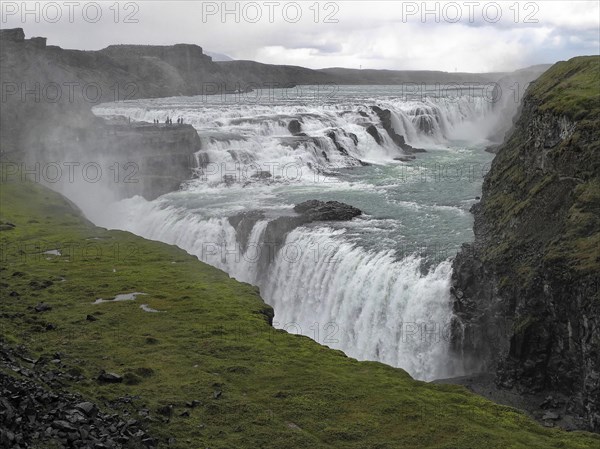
{"x": 255, "y": 387}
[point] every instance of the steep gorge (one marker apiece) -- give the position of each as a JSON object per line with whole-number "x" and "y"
{"x": 527, "y": 291}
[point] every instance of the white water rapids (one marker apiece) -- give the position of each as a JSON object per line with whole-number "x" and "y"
{"x": 376, "y": 287}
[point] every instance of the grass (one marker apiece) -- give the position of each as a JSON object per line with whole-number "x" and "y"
{"x": 580, "y": 243}
{"x": 571, "y": 88}
{"x": 549, "y": 212}
{"x": 278, "y": 390}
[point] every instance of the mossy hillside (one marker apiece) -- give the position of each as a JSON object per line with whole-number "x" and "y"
{"x": 571, "y": 88}
{"x": 536, "y": 255}
{"x": 212, "y": 335}
{"x": 548, "y": 209}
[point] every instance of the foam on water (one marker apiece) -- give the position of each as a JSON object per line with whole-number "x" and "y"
{"x": 347, "y": 285}
{"x": 372, "y": 305}
{"x": 256, "y": 136}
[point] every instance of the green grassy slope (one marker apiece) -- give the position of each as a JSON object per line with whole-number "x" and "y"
{"x": 278, "y": 390}
{"x": 523, "y": 197}
{"x": 571, "y": 88}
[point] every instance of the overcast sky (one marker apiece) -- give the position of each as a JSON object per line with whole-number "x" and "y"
{"x": 464, "y": 36}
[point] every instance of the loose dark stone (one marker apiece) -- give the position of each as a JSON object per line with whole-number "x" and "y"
{"x": 88, "y": 408}
{"x": 41, "y": 307}
{"x": 294, "y": 127}
{"x": 166, "y": 410}
{"x": 109, "y": 378}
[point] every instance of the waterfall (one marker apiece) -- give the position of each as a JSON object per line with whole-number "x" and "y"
{"x": 254, "y": 138}
{"x": 323, "y": 281}
{"x": 371, "y": 305}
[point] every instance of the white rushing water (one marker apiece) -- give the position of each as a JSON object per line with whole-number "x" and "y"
{"x": 376, "y": 287}
{"x": 368, "y": 304}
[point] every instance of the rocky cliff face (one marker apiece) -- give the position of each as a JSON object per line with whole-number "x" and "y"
{"x": 527, "y": 291}
{"x": 46, "y": 115}
{"x": 48, "y": 93}
{"x": 507, "y": 94}
{"x": 121, "y": 158}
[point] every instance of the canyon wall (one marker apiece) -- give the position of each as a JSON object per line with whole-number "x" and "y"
{"x": 527, "y": 291}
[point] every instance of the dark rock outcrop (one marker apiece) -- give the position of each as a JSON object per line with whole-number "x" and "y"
{"x": 549, "y": 410}
{"x": 308, "y": 212}
{"x": 53, "y": 123}
{"x": 277, "y": 230}
{"x": 294, "y": 127}
{"x": 139, "y": 159}
{"x": 315, "y": 210}
{"x": 12, "y": 35}
{"x": 343, "y": 151}
{"x": 244, "y": 223}
{"x": 527, "y": 291}
{"x": 39, "y": 42}
{"x": 275, "y": 234}
{"x": 372, "y": 130}
{"x": 333, "y": 136}
{"x": 386, "y": 121}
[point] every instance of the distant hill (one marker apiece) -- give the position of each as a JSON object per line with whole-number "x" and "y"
{"x": 541, "y": 68}
{"x": 150, "y": 71}
{"x": 218, "y": 56}
{"x": 251, "y": 73}
{"x": 356, "y": 76}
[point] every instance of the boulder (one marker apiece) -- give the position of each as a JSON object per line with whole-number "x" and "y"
{"x": 88, "y": 408}
{"x": 6, "y": 226}
{"x": 65, "y": 426}
{"x": 41, "y": 307}
{"x": 550, "y": 416}
{"x": 294, "y": 127}
{"x": 110, "y": 378}
{"x": 317, "y": 210}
